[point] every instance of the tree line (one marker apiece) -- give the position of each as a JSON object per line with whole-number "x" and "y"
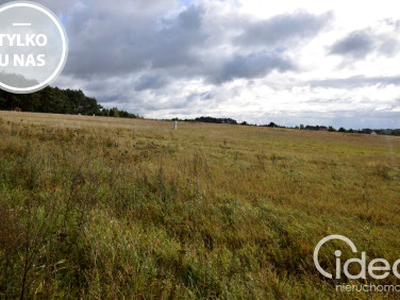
{"x": 301, "y": 127}
{"x": 68, "y": 101}
{"x": 55, "y": 100}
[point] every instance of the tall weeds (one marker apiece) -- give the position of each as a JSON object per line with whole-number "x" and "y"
{"x": 136, "y": 211}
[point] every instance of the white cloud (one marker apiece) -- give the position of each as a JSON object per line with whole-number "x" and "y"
{"x": 291, "y": 62}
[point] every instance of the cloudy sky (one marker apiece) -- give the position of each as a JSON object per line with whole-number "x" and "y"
{"x": 311, "y": 62}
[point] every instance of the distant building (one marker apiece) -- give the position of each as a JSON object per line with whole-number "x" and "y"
{"x": 373, "y": 133}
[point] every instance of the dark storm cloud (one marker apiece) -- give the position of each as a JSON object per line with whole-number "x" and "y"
{"x": 111, "y": 44}
{"x": 147, "y": 82}
{"x": 356, "y": 82}
{"x": 189, "y": 19}
{"x": 358, "y": 44}
{"x": 280, "y": 29}
{"x": 176, "y": 43}
{"x": 119, "y": 39}
{"x": 253, "y": 66}
{"x": 58, "y": 7}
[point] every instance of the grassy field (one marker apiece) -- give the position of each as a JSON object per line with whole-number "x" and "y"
{"x": 107, "y": 208}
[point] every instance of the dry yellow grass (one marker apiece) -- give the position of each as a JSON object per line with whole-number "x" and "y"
{"x": 109, "y": 208}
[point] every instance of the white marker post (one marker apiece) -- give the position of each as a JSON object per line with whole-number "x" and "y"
{"x": 175, "y": 125}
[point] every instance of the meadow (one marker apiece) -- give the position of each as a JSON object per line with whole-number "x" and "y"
{"x": 109, "y": 208}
